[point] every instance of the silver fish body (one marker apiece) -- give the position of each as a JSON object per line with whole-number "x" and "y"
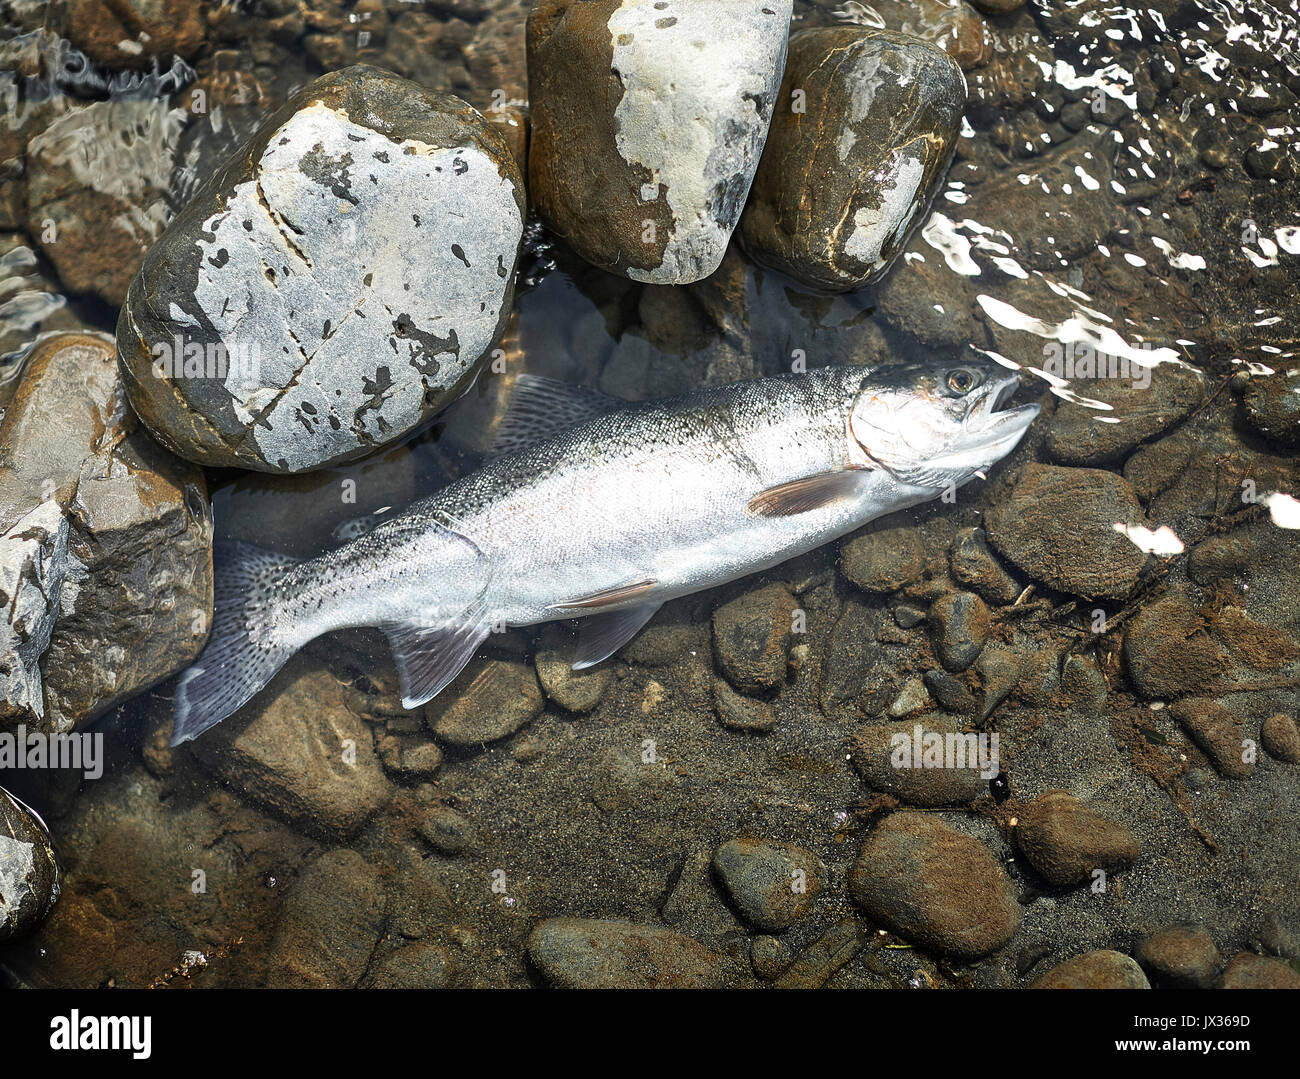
{"x": 608, "y": 517}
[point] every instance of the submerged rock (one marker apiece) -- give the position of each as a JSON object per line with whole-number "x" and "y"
{"x": 1270, "y": 406}
{"x": 935, "y": 885}
{"x": 301, "y": 754}
{"x": 29, "y": 871}
{"x": 1066, "y": 841}
{"x": 1058, "y": 526}
{"x": 329, "y": 926}
{"x": 752, "y": 635}
{"x": 105, "y": 543}
{"x": 1143, "y": 406}
{"x": 587, "y": 953}
{"x": 246, "y": 340}
{"x": 886, "y": 757}
{"x": 490, "y": 700}
{"x": 97, "y": 187}
{"x": 1183, "y": 957}
{"x": 648, "y": 119}
{"x": 772, "y": 885}
{"x": 1102, "y": 969}
{"x": 864, "y": 127}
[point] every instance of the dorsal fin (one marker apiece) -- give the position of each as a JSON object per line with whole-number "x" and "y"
{"x": 541, "y": 407}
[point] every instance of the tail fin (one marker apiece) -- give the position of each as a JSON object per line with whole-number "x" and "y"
{"x": 241, "y": 655}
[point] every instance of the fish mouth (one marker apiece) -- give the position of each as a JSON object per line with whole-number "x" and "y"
{"x": 988, "y": 428}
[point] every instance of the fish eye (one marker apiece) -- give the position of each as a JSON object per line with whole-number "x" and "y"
{"x": 961, "y": 380}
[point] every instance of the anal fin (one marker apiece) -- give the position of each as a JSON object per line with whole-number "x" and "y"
{"x": 607, "y": 597}
{"x": 429, "y": 658}
{"x": 601, "y": 635}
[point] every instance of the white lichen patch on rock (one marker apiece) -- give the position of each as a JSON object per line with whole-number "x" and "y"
{"x": 699, "y": 83}
{"x": 359, "y": 273}
{"x": 884, "y": 224}
{"x": 33, "y": 564}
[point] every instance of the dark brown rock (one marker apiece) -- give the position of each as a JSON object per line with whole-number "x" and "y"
{"x": 489, "y": 700}
{"x": 1168, "y": 651}
{"x": 1066, "y": 841}
{"x": 296, "y": 749}
{"x": 329, "y": 925}
{"x": 864, "y": 127}
{"x": 1078, "y": 435}
{"x": 587, "y": 953}
{"x": 883, "y": 559}
{"x": 1058, "y": 526}
{"x": 884, "y": 755}
{"x": 1183, "y": 957}
{"x": 1102, "y": 969}
{"x": 1280, "y": 737}
{"x": 752, "y": 636}
{"x": 772, "y": 885}
{"x": 1249, "y": 971}
{"x": 935, "y": 885}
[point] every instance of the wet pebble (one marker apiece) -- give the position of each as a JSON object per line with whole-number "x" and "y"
{"x": 1182, "y": 957}
{"x": 1270, "y": 406}
{"x": 1101, "y": 969}
{"x": 769, "y": 956}
{"x": 588, "y": 953}
{"x": 962, "y": 623}
{"x": 329, "y": 924}
{"x": 771, "y": 884}
{"x": 1058, "y": 526}
{"x": 489, "y": 700}
{"x": 999, "y": 670}
{"x": 1281, "y": 738}
{"x": 447, "y": 831}
{"x": 29, "y": 870}
{"x": 1250, "y": 971}
{"x": 1219, "y": 732}
{"x": 648, "y": 120}
{"x": 885, "y": 756}
{"x": 752, "y": 635}
{"x": 883, "y": 560}
{"x": 1168, "y": 652}
{"x": 864, "y": 127}
{"x": 246, "y": 341}
{"x": 954, "y": 27}
{"x": 975, "y": 566}
{"x": 741, "y": 713}
{"x": 950, "y": 691}
{"x": 297, "y": 750}
{"x": 930, "y": 883}
{"x": 574, "y": 691}
{"x": 913, "y": 697}
{"x": 1077, "y": 435}
{"x": 1066, "y": 840}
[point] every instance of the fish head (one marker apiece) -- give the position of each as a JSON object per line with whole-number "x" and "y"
{"x": 936, "y": 425}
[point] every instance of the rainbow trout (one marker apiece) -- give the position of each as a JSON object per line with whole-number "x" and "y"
{"x": 603, "y": 510}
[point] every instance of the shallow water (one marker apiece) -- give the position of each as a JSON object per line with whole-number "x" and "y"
{"x": 1123, "y": 193}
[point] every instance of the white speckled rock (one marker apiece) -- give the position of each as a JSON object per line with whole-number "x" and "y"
{"x": 648, "y": 121}
{"x": 333, "y": 285}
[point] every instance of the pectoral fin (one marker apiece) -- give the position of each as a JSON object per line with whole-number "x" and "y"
{"x": 601, "y": 635}
{"x": 808, "y": 493}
